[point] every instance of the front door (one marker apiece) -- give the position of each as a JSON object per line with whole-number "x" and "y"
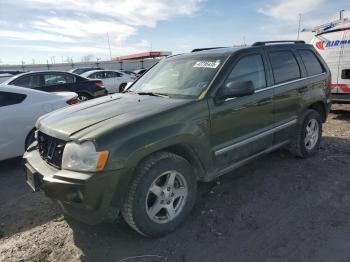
{"x": 240, "y": 126}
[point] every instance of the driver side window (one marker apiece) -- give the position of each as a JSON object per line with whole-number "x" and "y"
{"x": 249, "y": 68}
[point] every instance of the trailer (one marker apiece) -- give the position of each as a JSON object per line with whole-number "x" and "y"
{"x": 332, "y": 41}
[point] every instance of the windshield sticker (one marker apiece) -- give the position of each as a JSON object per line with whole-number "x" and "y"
{"x": 207, "y": 64}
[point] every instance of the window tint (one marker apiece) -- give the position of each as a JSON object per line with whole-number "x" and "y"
{"x": 98, "y": 75}
{"x": 249, "y": 68}
{"x": 58, "y": 79}
{"x": 345, "y": 74}
{"x": 7, "y": 99}
{"x": 284, "y": 66}
{"x": 312, "y": 64}
{"x": 30, "y": 81}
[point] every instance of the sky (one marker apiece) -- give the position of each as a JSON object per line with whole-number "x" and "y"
{"x": 37, "y": 31}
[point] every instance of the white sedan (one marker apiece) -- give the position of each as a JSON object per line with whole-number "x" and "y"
{"x": 19, "y": 109}
{"x": 113, "y": 81}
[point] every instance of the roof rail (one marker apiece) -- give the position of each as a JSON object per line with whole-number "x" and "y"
{"x": 278, "y": 42}
{"x": 203, "y": 49}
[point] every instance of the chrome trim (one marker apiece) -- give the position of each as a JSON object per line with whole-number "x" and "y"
{"x": 248, "y": 159}
{"x": 254, "y": 138}
{"x": 278, "y": 85}
{"x": 289, "y": 82}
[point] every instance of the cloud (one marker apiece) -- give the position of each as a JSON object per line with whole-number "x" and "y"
{"x": 82, "y": 25}
{"x": 35, "y": 36}
{"x": 131, "y": 12}
{"x": 288, "y": 10}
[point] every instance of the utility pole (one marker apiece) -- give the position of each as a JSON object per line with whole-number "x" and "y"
{"x": 299, "y": 24}
{"x": 341, "y": 15}
{"x": 109, "y": 46}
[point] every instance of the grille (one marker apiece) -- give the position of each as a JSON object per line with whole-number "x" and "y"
{"x": 51, "y": 149}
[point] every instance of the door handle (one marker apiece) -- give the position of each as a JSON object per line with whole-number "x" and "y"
{"x": 302, "y": 89}
{"x": 264, "y": 101}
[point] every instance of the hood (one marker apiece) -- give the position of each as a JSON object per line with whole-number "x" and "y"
{"x": 66, "y": 122}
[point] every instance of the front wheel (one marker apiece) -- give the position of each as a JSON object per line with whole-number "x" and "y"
{"x": 308, "y": 135}
{"x": 122, "y": 87}
{"x": 161, "y": 195}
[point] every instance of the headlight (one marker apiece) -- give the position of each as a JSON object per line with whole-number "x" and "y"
{"x": 83, "y": 157}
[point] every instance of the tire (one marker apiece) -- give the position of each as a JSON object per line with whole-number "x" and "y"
{"x": 299, "y": 146}
{"x": 83, "y": 97}
{"x": 174, "y": 204}
{"x": 122, "y": 87}
{"x": 29, "y": 139}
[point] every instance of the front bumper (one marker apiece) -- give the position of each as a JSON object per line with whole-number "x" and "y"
{"x": 88, "y": 197}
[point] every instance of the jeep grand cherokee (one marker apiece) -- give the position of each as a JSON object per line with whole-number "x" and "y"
{"x": 190, "y": 118}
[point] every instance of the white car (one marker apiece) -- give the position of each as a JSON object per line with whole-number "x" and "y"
{"x": 19, "y": 109}
{"x": 113, "y": 81}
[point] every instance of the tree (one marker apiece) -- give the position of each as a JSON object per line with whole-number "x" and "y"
{"x": 87, "y": 58}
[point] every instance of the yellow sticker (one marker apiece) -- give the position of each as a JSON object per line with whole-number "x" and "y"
{"x": 202, "y": 95}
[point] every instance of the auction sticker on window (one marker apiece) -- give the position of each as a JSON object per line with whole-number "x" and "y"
{"x": 207, "y": 64}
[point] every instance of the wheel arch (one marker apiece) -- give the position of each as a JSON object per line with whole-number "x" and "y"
{"x": 320, "y": 107}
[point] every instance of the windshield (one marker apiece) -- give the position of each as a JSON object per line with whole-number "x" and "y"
{"x": 179, "y": 76}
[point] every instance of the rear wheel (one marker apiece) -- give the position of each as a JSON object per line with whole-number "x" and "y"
{"x": 83, "y": 97}
{"x": 308, "y": 135}
{"x": 161, "y": 195}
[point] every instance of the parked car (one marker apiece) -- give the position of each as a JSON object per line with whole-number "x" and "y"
{"x": 81, "y": 70}
{"x": 190, "y": 118}
{"x": 129, "y": 72}
{"x": 20, "y": 108}
{"x": 113, "y": 81}
{"x": 56, "y": 81}
{"x": 140, "y": 72}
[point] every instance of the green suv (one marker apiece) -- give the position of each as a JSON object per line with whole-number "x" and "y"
{"x": 192, "y": 117}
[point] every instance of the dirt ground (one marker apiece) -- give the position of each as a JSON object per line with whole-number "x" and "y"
{"x": 278, "y": 208}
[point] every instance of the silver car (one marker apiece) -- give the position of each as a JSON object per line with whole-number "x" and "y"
{"x": 114, "y": 81}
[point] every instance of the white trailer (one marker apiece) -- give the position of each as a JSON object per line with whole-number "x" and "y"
{"x": 332, "y": 41}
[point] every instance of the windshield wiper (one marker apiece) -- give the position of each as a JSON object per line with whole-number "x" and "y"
{"x": 152, "y": 94}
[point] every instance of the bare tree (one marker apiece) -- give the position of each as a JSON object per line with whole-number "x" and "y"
{"x": 87, "y": 58}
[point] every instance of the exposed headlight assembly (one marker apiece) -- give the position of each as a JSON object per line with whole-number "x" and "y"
{"x": 83, "y": 157}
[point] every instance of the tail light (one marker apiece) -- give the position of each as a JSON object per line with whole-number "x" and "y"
{"x": 99, "y": 84}
{"x": 73, "y": 101}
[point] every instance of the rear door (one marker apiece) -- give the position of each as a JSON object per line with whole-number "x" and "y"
{"x": 55, "y": 82}
{"x": 286, "y": 74}
{"x": 240, "y": 126}
{"x": 16, "y": 122}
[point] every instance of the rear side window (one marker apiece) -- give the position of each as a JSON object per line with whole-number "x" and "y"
{"x": 312, "y": 64}
{"x": 30, "y": 81}
{"x": 58, "y": 79}
{"x": 249, "y": 68}
{"x": 98, "y": 75}
{"x": 284, "y": 66}
{"x": 7, "y": 98}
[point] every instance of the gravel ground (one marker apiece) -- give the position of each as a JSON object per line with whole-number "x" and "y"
{"x": 278, "y": 208}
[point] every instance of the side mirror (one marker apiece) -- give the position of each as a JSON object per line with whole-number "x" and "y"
{"x": 235, "y": 89}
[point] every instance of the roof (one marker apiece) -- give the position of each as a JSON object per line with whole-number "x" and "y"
{"x": 142, "y": 55}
